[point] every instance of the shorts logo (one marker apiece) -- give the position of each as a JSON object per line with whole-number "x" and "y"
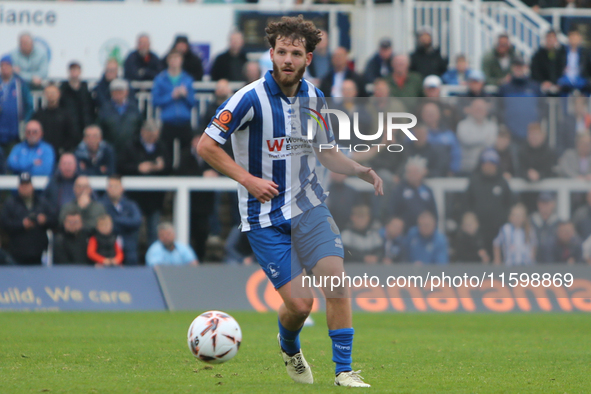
{"x": 338, "y": 243}
{"x": 223, "y": 119}
{"x": 273, "y": 271}
{"x": 333, "y": 226}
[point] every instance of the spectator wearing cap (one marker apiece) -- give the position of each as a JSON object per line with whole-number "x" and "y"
{"x": 230, "y": 64}
{"x": 166, "y": 250}
{"x": 332, "y": 83}
{"x": 95, "y": 156}
{"x": 33, "y": 154}
{"x": 497, "y": 63}
{"x": 102, "y": 91}
{"x": 475, "y": 84}
{"x": 520, "y": 104}
{"x": 576, "y": 163}
{"x": 459, "y": 74}
{"x": 565, "y": 245}
{"x": 173, "y": 93}
{"x": 489, "y": 197}
{"x": 427, "y": 59}
{"x": 77, "y": 100}
{"x": 320, "y": 65}
{"x": 577, "y": 70}
{"x": 119, "y": 118}
{"x": 16, "y": 103}
{"x": 191, "y": 63}
{"x": 425, "y": 244}
{"x": 70, "y": 245}
{"x": 475, "y": 133}
{"x": 30, "y": 61}
{"x": 536, "y": 158}
{"x": 83, "y": 201}
{"x": 404, "y": 83}
{"x": 441, "y": 136}
{"x": 142, "y": 64}
{"x": 58, "y": 129}
{"x": 548, "y": 63}
{"x": 60, "y": 189}
{"x": 544, "y": 222}
{"x": 26, "y": 217}
{"x": 432, "y": 92}
{"x": 380, "y": 65}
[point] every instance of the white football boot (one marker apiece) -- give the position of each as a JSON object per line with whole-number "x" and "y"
{"x": 350, "y": 379}
{"x": 297, "y": 366}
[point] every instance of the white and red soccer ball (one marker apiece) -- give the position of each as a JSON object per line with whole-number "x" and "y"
{"x": 214, "y": 337}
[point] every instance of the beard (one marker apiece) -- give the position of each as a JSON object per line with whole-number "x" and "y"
{"x": 288, "y": 80}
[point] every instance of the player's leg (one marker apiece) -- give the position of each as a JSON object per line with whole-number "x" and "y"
{"x": 292, "y": 315}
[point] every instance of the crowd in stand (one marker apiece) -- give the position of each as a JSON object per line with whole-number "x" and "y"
{"x": 82, "y": 132}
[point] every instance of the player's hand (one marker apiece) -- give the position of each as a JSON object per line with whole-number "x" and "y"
{"x": 370, "y": 176}
{"x": 262, "y": 189}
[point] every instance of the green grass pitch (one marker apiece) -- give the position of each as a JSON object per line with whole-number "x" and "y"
{"x": 397, "y": 353}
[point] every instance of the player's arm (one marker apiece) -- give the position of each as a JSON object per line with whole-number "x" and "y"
{"x": 211, "y": 151}
{"x": 337, "y": 162}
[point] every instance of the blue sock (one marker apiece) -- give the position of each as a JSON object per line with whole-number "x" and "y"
{"x": 342, "y": 346}
{"x": 290, "y": 340}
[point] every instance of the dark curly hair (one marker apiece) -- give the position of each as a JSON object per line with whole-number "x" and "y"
{"x": 294, "y": 29}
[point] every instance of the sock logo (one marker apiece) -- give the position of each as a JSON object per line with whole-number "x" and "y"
{"x": 341, "y": 347}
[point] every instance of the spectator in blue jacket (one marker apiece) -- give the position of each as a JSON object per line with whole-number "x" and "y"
{"x": 426, "y": 244}
{"x": 431, "y": 116}
{"x": 173, "y": 93}
{"x": 16, "y": 102}
{"x": 168, "y": 251}
{"x": 33, "y": 155}
{"x": 458, "y": 75}
{"x": 95, "y": 156}
{"x": 142, "y": 64}
{"x": 126, "y": 216}
{"x": 30, "y": 61}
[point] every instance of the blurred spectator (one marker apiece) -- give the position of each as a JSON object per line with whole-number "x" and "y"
{"x": 191, "y": 62}
{"x": 95, "y": 156}
{"x": 142, "y": 64}
{"x": 432, "y": 86}
{"x": 26, "y": 218}
{"x": 362, "y": 243}
{"x": 341, "y": 199}
{"x": 173, "y": 94}
{"x": 58, "y": 129}
{"x": 412, "y": 196}
{"x": 33, "y": 154}
{"x": 497, "y": 63}
{"x": 548, "y": 63}
{"x": 459, "y": 74}
{"x": 577, "y": 64}
{"x": 475, "y": 81}
{"x": 60, "y": 189}
{"x": 394, "y": 244}
{"x": 84, "y": 202}
{"x": 380, "y": 65}
{"x": 77, "y": 100}
{"x": 520, "y": 103}
{"x": 489, "y": 197}
{"x": 516, "y": 242}
{"x": 544, "y": 222}
{"x": 147, "y": 156}
{"x": 221, "y": 93}
{"x": 424, "y": 243}
{"x": 332, "y": 84}
{"x": 449, "y": 117}
{"x": 536, "y": 159}
{"x": 576, "y": 163}
{"x": 320, "y": 66}
{"x": 230, "y": 64}
{"x": 103, "y": 248}
{"x": 426, "y": 59}
{"x": 508, "y": 153}
{"x": 252, "y": 71}
{"x": 30, "y": 61}
{"x": 582, "y": 218}
{"x": 16, "y": 103}
{"x": 69, "y": 246}
{"x": 475, "y": 133}
{"x": 102, "y": 90}
{"x": 202, "y": 203}
{"x": 126, "y": 217}
{"x": 468, "y": 245}
{"x": 438, "y": 136}
{"x": 566, "y": 247}
{"x": 119, "y": 118}
{"x": 436, "y": 157}
{"x": 168, "y": 251}
{"x": 354, "y": 108}
{"x": 237, "y": 248}
{"x": 402, "y": 82}
{"x": 587, "y": 251}
{"x": 577, "y": 123}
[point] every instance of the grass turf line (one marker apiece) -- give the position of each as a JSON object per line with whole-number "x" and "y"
{"x": 401, "y": 353}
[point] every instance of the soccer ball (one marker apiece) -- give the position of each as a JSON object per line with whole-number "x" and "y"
{"x": 214, "y": 337}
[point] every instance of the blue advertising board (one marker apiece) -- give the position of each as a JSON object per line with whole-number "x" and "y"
{"x": 79, "y": 288}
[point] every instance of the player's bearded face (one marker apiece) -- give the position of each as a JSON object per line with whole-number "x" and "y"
{"x": 289, "y": 62}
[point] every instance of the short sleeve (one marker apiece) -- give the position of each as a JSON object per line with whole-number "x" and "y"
{"x": 232, "y": 115}
{"x": 187, "y": 254}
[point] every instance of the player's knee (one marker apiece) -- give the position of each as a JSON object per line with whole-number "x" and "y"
{"x": 302, "y": 308}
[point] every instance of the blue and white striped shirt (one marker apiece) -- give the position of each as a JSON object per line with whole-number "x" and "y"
{"x": 517, "y": 249}
{"x": 269, "y": 140}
